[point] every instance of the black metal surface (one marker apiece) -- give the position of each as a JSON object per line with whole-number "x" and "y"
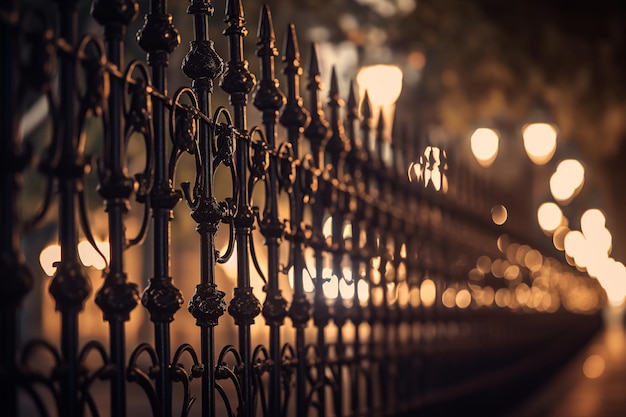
{"x": 372, "y": 354}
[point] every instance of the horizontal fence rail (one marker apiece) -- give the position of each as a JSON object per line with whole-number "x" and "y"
{"x": 369, "y": 277}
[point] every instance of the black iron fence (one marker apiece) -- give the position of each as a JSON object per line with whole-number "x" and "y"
{"x": 383, "y": 289}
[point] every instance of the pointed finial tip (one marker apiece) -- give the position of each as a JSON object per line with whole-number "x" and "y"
{"x": 234, "y": 9}
{"x": 314, "y": 67}
{"x": 381, "y": 121}
{"x": 334, "y": 84}
{"x": 366, "y": 108}
{"x": 291, "y": 49}
{"x": 266, "y": 26}
{"x": 351, "y": 95}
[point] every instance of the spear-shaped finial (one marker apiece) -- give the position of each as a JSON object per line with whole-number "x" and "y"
{"x": 333, "y": 93}
{"x": 314, "y": 66}
{"x": 317, "y": 131}
{"x": 366, "y": 121}
{"x": 366, "y": 109}
{"x": 234, "y": 11}
{"x": 352, "y": 114}
{"x": 294, "y": 117}
{"x": 266, "y": 28}
{"x": 269, "y": 99}
{"x": 291, "y": 51}
{"x": 380, "y": 138}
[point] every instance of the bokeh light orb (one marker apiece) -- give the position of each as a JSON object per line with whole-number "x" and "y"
{"x": 484, "y": 144}
{"x": 567, "y": 180}
{"x": 382, "y": 82}
{"x": 539, "y": 142}
{"x": 549, "y": 216}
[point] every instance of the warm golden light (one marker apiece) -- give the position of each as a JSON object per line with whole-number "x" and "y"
{"x": 594, "y": 366}
{"x": 363, "y": 292}
{"x": 574, "y": 243}
{"x": 48, "y": 256}
{"x": 484, "y": 144}
{"x": 448, "y": 298}
{"x": 428, "y": 293}
{"x": 591, "y": 221}
{"x": 539, "y": 142}
{"x": 567, "y": 180}
{"x": 463, "y": 298}
{"x": 327, "y": 228}
{"x": 382, "y": 82}
{"x": 90, "y": 257}
{"x": 499, "y": 214}
{"x": 549, "y": 216}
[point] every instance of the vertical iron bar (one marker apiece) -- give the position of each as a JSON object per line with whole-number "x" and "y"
{"x": 294, "y": 118}
{"x": 370, "y": 249}
{"x": 337, "y": 147}
{"x": 16, "y": 280}
{"x": 238, "y": 82}
{"x": 318, "y": 133}
{"x": 117, "y": 297}
{"x": 269, "y": 99}
{"x": 203, "y": 66}
{"x": 158, "y": 37}
{"x": 354, "y": 162}
{"x": 70, "y": 285}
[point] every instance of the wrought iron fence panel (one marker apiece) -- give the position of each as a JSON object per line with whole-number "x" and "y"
{"x": 368, "y": 231}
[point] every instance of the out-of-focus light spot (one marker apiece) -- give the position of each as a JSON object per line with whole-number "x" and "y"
{"x": 591, "y": 221}
{"x": 539, "y": 142}
{"x": 498, "y": 267}
{"x": 48, "y": 256}
{"x": 549, "y": 216}
{"x": 307, "y": 281}
{"x": 503, "y": 243}
{"x": 346, "y": 290}
{"x": 499, "y": 214}
{"x": 463, "y": 298}
{"x": 428, "y": 293}
{"x": 414, "y": 297}
{"x": 378, "y": 296}
{"x": 448, "y": 297}
{"x": 558, "y": 238}
{"x": 612, "y": 276}
{"x": 533, "y": 260}
{"x": 601, "y": 240}
{"x": 330, "y": 287}
{"x": 403, "y": 294}
{"x": 327, "y": 228}
{"x": 416, "y": 59}
{"x": 512, "y": 273}
{"x": 567, "y": 180}
{"x": 363, "y": 291}
{"x": 347, "y": 231}
{"x": 522, "y": 293}
{"x": 594, "y": 366}
{"x": 484, "y": 144}
{"x": 382, "y": 82}
{"x": 476, "y": 274}
{"x": 503, "y": 297}
{"x": 574, "y": 243}
{"x": 488, "y": 296}
{"x": 406, "y": 6}
{"x": 90, "y": 257}
{"x": 483, "y": 263}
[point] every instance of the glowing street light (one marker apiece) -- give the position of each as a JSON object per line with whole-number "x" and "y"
{"x": 484, "y": 145}
{"x": 539, "y": 142}
{"x": 382, "y": 82}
